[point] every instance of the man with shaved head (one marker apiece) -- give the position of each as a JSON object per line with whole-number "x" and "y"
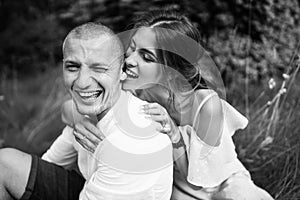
{"x": 133, "y": 161}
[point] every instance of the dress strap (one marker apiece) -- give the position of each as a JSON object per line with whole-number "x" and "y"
{"x": 201, "y": 104}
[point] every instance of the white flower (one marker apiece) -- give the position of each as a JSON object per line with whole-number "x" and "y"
{"x": 282, "y": 91}
{"x": 286, "y": 76}
{"x": 268, "y": 140}
{"x": 272, "y": 83}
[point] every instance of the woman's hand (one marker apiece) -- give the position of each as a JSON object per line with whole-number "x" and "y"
{"x": 85, "y": 131}
{"x": 159, "y": 114}
{"x": 87, "y": 134}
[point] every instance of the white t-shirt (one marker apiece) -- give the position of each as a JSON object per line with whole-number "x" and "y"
{"x": 133, "y": 162}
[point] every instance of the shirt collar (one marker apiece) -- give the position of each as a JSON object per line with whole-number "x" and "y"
{"x": 103, "y": 124}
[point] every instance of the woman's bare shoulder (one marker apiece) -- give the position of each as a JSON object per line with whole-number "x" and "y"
{"x": 202, "y": 95}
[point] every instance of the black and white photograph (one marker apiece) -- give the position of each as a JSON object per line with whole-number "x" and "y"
{"x": 149, "y": 100}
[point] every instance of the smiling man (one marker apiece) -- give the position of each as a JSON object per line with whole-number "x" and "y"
{"x": 92, "y": 70}
{"x": 134, "y": 161}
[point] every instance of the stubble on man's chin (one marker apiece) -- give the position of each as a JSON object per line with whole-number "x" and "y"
{"x": 92, "y": 112}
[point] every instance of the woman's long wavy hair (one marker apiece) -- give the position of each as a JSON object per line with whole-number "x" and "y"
{"x": 173, "y": 30}
{"x": 178, "y": 45}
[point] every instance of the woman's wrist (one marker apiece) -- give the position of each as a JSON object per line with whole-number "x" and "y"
{"x": 175, "y": 136}
{"x": 176, "y": 139}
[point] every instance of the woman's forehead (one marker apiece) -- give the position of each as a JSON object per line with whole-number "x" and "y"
{"x": 145, "y": 37}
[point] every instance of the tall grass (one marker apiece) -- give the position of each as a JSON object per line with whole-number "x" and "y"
{"x": 30, "y": 110}
{"x": 270, "y": 147}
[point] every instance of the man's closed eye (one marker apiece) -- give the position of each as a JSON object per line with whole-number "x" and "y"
{"x": 72, "y": 67}
{"x": 100, "y": 69}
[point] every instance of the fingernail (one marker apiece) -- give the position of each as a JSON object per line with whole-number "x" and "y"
{"x": 141, "y": 111}
{"x": 148, "y": 116}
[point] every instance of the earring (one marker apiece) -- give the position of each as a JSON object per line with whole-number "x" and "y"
{"x": 123, "y": 76}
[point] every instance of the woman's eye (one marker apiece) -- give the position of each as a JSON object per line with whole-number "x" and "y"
{"x": 147, "y": 57}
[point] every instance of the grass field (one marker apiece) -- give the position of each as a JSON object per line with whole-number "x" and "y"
{"x": 269, "y": 146}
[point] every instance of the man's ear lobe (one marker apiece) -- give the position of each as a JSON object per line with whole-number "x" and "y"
{"x": 123, "y": 76}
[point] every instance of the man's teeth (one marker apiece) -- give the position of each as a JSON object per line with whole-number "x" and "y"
{"x": 89, "y": 94}
{"x": 131, "y": 74}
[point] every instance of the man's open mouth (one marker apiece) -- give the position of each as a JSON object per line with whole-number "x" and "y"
{"x": 91, "y": 95}
{"x": 131, "y": 74}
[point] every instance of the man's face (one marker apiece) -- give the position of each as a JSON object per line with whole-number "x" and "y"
{"x": 91, "y": 72}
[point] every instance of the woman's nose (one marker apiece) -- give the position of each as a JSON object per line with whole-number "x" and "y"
{"x": 131, "y": 61}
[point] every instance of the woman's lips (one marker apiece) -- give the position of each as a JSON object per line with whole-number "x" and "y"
{"x": 131, "y": 74}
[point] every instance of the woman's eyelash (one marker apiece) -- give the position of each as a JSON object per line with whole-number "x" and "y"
{"x": 147, "y": 57}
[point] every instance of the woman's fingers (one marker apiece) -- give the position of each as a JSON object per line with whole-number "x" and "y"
{"x": 86, "y": 135}
{"x": 87, "y": 123}
{"x": 84, "y": 142}
{"x": 157, "y": 113}
{"x": 153, "y": 109}
{"x": 158, "y": 118}
{"x": 165, "y": 129}
{"x": 163, "y": 120}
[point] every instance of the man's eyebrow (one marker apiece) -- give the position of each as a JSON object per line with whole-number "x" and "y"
{"x": 70, "y": 62}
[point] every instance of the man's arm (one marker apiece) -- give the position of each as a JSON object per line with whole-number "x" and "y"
{"x": 62, "y": 151}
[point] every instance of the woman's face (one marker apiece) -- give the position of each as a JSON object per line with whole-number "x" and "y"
{"x": 142, "y": 67}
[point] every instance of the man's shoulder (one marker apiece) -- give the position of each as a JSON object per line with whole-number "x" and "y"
{"x": 135, "y": 99}
{"x": 66, "y": 135}
{"x": 131, "y": 120}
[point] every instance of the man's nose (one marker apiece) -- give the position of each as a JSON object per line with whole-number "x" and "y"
{"x": 84, "y": 79}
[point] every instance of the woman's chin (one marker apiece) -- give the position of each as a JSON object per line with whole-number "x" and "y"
{"x": 134, "y": 85}
{"x": 129, "y": 85}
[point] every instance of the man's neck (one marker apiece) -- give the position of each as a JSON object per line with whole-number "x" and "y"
{"x": 104, "y": 112}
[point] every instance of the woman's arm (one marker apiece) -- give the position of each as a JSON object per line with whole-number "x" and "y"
{"x": 208, "y": 126}
{"x": 208, "y": 122}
